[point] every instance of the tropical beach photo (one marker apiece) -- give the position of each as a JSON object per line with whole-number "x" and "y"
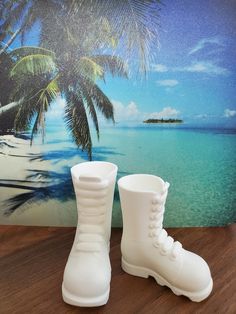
{"x": 147, "y": 85}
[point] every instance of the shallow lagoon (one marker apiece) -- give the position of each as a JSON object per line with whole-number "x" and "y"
{"x": 199, "y": 163}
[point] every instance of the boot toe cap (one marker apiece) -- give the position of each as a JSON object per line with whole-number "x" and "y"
{"x": 86, "y": 276}
{"x": 195, "y": 274}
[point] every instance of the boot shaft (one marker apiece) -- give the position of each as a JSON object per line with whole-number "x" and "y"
{"x": 142, "y": 201}
{"x": 94, "y": 184}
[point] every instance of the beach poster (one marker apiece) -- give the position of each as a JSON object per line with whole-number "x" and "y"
{"x": 147, "y": 85}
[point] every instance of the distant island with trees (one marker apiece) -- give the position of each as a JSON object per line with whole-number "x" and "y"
{"x": 163, "y": 121}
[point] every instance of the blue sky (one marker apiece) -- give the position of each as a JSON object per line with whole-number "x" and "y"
{"x": 193, "y": 76}
{"x": 194, "y": 73}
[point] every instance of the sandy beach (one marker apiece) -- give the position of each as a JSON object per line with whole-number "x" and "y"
{"x": 21, "y": 172}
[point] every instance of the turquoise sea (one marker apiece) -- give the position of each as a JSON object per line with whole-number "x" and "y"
{"x": 199, "y": 164}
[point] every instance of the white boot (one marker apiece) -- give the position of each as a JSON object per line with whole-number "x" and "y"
{"x": 87, "y": 274}
{"x": 146, "y": 248}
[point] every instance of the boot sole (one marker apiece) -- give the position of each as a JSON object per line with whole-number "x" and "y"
{"x": 84, "y": 302}
{"x": 145, "y": 273}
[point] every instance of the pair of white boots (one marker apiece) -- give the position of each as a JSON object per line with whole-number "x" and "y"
{"x": 146, "y": 248}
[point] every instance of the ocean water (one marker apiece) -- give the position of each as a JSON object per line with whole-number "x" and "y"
{"x": 199, "y": 164}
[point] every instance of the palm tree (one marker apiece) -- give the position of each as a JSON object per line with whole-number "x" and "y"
{"x": 78, "y": 42}
{"x": 41, "y": 76}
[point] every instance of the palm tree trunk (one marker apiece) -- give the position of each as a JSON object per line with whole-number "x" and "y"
{"x": 8, "y": 107}
{"x": 10, "y": 41}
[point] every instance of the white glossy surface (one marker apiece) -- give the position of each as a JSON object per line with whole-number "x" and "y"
{"x": 87, "y": 274}
{"x": 146, "y": 248}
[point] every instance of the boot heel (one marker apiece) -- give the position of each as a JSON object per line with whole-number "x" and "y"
{"x": 134, "y": 270}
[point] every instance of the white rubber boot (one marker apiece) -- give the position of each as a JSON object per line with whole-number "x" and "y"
{"x": 146, "y": 248}
{"x": 87, "y": 274}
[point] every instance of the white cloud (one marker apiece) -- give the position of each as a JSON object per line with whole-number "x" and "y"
{"x": 161, "y": 68}
{"x": 166, "y": 112}
{"x": 207, "y": 67}
{"x": 204, "y": 42}
{"x": 60, "y": 102}
{"x": 131, "y": 112}
{"x": 122, "y": 112}
{"x": 228, "y": 113}
{"x": 203, "y": 67}
{"x": 132, "y": 109}
{"x": 168, "y": 83}
{"x": 57, "y": 108}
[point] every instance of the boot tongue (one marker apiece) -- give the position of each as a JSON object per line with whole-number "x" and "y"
{"x": 164, "y": 191}
{"x": 160, "y": 196}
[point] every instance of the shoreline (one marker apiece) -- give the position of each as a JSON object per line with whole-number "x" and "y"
{"x": 23, "y": 179}
{"x": 18, "y": 159}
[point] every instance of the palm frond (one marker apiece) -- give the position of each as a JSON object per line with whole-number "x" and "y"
{"x": 13, "y": 13}
{"x": 88, "y": 20}
{"x": 77, "y": 122}
{"x": 39, "y": 122}
{"x": 93, "y": 115}
{"x": 5, "y": 6}
{"x": 6, "y": 83}
{"x": 35, "y": 64}
{"x": 103, "y": 36}
{"x": 36, "y": 106}
{"x": 26, "y": 86}
{"x": 46, "y": 96}
{"x": 136, "y": 23}
{"x": 30, "y": 50}
{"x": 49, "y": 93}
{"x": 100, "y": 100}
{"x": 89, "y": 68}
{"x": 90, "y": 106}
{"x": 25, "y": 114}
{"x": 112, "y": 64}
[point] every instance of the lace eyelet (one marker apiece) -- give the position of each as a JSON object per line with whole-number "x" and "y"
{"x": 163, "y": 252}
{"x": 157, "y": 224}
{"x": 156, "y": 244}
{"x": 163, "y": 193}
{"x": 152, "y": 217}
{"x": 155, "y": 200}
{"x": 152, "y": 225}
{"x": 173, "y": 257}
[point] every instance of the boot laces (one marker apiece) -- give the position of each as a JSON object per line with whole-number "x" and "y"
{"x": 91, "y": 194}
{"x": 161, "y": 239}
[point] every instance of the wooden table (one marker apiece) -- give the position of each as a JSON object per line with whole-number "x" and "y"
{"x": 32, "y": 260}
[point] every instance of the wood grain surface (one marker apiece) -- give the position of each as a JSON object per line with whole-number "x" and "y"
{"x": 32, "y": 260}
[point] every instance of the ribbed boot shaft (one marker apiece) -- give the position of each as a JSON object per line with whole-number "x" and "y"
{"x": 94, "y": 184}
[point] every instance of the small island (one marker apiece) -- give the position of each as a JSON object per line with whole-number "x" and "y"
{"x": 163, "y": 121}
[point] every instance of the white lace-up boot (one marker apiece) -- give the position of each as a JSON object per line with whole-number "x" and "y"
{"x": 146, "y": 248}
{"x": 87, "y": 274}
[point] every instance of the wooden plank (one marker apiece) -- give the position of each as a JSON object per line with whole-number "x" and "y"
{"x": 32, "y": 260}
